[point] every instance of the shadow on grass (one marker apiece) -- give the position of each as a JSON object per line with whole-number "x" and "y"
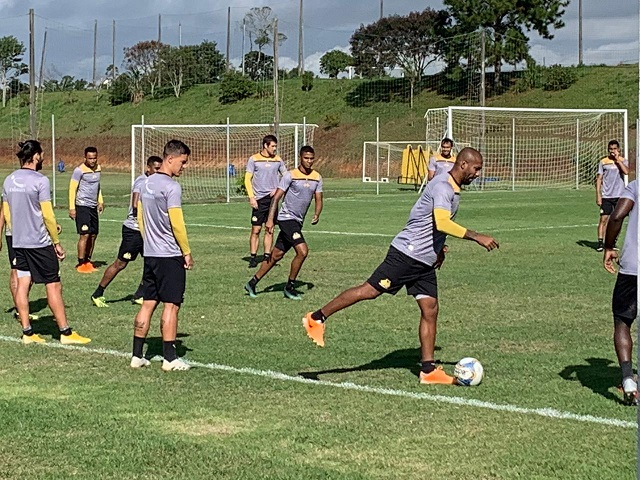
{"x": 98, "y": 263}
{"x": 35, "y": 306}
{"x": 407, "y": 358}
{"x": 154, "y": 346}
{"x": 588, "y": 244}
{"x": 599, "y": 375}
{"x": 279, "y": 287}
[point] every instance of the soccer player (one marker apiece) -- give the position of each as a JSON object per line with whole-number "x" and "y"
{"x": 441, "y": 161}
{"x": 609, "y": 186}
{"x": 298, "y": 187}
{"x": 413, "y": 258}
{"x": 85, "y": 203}
{"x": 624, "y": 302}
{"x": 264, "y": 170}
{"x": 131, "y": 244}
{"x": 166, "y": 255}
{"x": 35, "y": 242}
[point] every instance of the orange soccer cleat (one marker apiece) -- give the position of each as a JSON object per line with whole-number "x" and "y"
{"x": 437, "y": 377}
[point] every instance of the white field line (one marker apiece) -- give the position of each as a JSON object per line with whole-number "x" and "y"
{"x": 460, "y": 401}
{"x": 370, "y": 234}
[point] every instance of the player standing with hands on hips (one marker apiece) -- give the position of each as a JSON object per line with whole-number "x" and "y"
{"x": 610, "y": 183}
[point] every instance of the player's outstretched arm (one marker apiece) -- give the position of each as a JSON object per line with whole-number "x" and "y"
{"x": 445, "y": 225}
{"x": 273, "y": 208}
{"x": 481, "y": 239}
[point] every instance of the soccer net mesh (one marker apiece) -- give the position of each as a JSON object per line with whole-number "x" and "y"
{"x": 219, "y": 153}
{"x": 532, "y": 148}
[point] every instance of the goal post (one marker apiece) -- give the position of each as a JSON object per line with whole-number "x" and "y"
{"x": 532, "y": 147}
{"x": 219, "y": 153}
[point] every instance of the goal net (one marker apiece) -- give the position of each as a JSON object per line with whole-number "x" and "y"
{"x": 532, "y": 147}
{"x": 219, "y": 153}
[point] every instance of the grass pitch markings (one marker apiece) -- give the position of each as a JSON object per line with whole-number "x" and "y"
{"x": 451, "y": 400}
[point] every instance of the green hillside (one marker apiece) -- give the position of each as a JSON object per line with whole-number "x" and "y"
{"x": 89, "y": 115}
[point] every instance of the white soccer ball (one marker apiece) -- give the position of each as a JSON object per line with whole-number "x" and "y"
{"x": 468, "y": 372}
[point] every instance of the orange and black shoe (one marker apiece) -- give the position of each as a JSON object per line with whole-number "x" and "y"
{"x": 314, "y": 328}
{"x": 437, "y": 377}
{"x": 85, "y": 267}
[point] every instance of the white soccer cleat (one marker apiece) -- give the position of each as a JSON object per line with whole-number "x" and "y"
{"x": 137, "y": 362}
{"x": 177, "y": 364}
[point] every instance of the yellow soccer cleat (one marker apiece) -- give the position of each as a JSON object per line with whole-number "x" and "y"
{"x": 74, "y": 339}
{"x": 99, "y": 302}
{"x": 33, "y": 338}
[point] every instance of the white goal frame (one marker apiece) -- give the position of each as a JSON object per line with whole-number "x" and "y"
{"x": 302, "y": 135}
{"x": 436, "y": 130}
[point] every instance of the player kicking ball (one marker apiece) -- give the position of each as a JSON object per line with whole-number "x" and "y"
{"x": 298, "y": 187}
{"x": 413, "y": 258}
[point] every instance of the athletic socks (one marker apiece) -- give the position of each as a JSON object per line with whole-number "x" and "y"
{"x": 627, "y": 369}
{"x": 99, "y": 292}
{"x": 27, "y": 331}
{"x": 427, "y": 366}
{"x": 169, "y": 350}
{"x": 318, "y": 316}
{"x": 65, "y": 331}
{"x": 138, "y": 345}
{"x": 253, "y": 282}
{"x": 290, "y": 285}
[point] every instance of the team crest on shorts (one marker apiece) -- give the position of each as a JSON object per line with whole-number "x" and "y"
{"x": 127, "y": 256}
{"x": 385, "y": 283}
{"x": 14, "y": 262}
{"x": 84, "y": 228}
{"x": 254, "y": 219}
{"x": 296, "y": 236}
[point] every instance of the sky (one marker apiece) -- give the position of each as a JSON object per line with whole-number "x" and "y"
{"x": 610, "y": 29}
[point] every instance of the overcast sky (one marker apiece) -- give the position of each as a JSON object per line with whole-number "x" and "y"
{"x": 610, "y": 28}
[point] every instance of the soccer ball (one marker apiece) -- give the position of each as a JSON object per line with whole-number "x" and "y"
{"x": 468, "y": 372}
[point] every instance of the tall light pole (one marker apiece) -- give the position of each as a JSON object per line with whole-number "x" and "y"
{"x": 580, "y": 59}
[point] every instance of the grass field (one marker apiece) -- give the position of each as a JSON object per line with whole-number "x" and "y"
{"x": 264, "y": 402}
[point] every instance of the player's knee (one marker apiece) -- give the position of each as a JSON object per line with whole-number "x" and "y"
{"x": 302, "y": 250}
{"x": 120, "y": 265}
{"x": 621, "y": 324}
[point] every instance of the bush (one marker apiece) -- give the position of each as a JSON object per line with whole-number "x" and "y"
{"x": 120, "y": 91}
{"x": 559, "y": 78}
{"x": 307, "y": 81}
{"x": 235, "y": 87}
{"x": 531, "y": 78}
{"x": 240, "y": 187}
{"x": 331, "y": 120}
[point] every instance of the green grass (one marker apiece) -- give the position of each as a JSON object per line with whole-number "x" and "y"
{"x": 536, "y": 313}
{"x": 85, "y": 117}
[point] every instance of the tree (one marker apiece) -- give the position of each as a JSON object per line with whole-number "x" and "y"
{"x": 11, "y": 66}
{"x": 258, "y": 66}
{"x": 142, "y": 59}
{"x": 210, "y": 63}
{"x": 176, "y": 62}
{"x": 411, "y": 42}
{"x": 334, "y": 62}
{"x": 111, "y": 71}
{"x": 259, "y": 25}
{"x": 504, "y": 23}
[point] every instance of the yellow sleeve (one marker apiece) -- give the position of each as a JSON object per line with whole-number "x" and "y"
{"x": 247, "y": 184}
{"x": 140, "y": 222}
{"x": 179, "y": 230}
{"x": 100, "y": 199}
{"x": 50, "y": 221}
{"x": 73, "y": 188}
{"x": 444, "y": 223}
{"x": 7, "y": 215}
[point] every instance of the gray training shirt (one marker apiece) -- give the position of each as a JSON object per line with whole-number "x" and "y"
{"x": 420, "y": 239}
{"x": 88, "y": 185}
{"x": 132, "y": 220}
{"x": 629, "y": 255}
{"x": 299, "y": 190}
{"x": 612, "y": 178}
{"x": 159, "y": 192}
{"x": 23, "y": 190}
{"x": 266, "y": 173}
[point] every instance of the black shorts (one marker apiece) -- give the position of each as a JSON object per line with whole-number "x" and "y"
{"x": 398, "y": 270}
{"x": 164, "y": 279}
{"x": 41, "y": 262}
{"x": 11, "y": 251}
{"x": 624, "y": 302}
{"x": 259, "y": 215}
{"x": 87, "y": 220}
{"x": 290, "y": 235}
{"x": 608, "y": 206}
{"x": 131, "y": 244}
